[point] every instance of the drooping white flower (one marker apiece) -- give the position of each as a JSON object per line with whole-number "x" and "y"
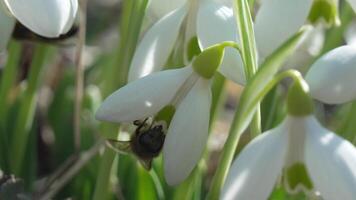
{"x": 213, "y": 22}
{"x": 188, "y": 130}
{"x": 201, "y": 18}
{"x": 332, "y": 77}
{"x": 49, "y": 18}
{"x": 310, "y": 158}
{"x": 298, "y": 142}
{"x": 188, "y": 91}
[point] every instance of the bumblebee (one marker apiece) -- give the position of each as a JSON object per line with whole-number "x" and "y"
{"x": 146, "y": 143}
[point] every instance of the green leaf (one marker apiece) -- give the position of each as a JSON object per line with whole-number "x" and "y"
{"x": 247, "y": 37}
{"x": 256, "y": 89}
{"x": 145, "y": 186}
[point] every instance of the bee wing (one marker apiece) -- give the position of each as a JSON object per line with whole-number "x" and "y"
{"x": 146, "y": 163}
{"x": 122, "y": 147}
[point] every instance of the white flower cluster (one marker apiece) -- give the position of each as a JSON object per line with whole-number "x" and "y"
{"x": 299, "y": 143}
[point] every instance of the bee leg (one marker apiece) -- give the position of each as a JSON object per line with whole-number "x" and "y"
{"x": 141, "y": 124}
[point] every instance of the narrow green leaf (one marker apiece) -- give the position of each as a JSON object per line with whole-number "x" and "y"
{"x": 252, "y": 93}
{"x": 247, "y": 37}
{"x": 145, "y": 186}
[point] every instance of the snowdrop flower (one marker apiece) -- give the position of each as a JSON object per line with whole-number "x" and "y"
{"x": 332, "y": 77}
{"x": 188, "y": 90}
{"x": 213, "y": 22}
{"x": 49, "y": 18}
{"x": 310, "y": 158}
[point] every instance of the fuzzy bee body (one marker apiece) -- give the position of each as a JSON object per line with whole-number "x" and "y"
{"x": 146, "y": 143}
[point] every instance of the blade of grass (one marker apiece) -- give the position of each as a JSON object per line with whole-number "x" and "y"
{"x": 7, "y": 82}
{"x": 27, "y": 110}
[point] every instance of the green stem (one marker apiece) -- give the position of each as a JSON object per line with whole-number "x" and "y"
{"x": 217, "y": 93}
{"x": 130, "y": 25}
{"x": 249, "y": 52}
{"x": 237, "y": 129}
{"x": 7, "y": 82}
{"x": 26, "y": 110}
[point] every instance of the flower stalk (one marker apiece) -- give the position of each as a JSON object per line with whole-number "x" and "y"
{"x": 79, "y": 85}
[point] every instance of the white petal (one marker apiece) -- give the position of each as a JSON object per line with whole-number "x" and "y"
{"x": 72, "y": 16}
{"x": 232, "y": 66}
{"x": 353, "y": 4}
{"x": 254, "y": 173}
{"x": 309, "y": 47}
{"x": 277, "y": 20}
{"x": 216, "y": 23}
{"x": 188, "y": 133}
{"x": 331, "y": 162}
{"x": 7, "y": 25}
{"x": 332, "y": 77}
{"x": 159, "y": 8}
{"x": 350, "y": 34}
{"x": 156, "y": 46}
{"x": 143, "y": 97}
{"x": 47, "y": 18}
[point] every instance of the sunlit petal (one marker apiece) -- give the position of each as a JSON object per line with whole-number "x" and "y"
{"x": 254, "y": 173}
{"x": 187, "y": 134}
{"x": 277, "y": 20}
{"x": 73, "y": 14}
{"x": 143, "y": 97}
{"x": 216, "y": 23}
{"x": 332, "y": 77}
{"x": 331, "y": 162}
{"x": 47, "y": 18}
{"x": 7, "y": 25}
{"x": 153, "y": 51}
